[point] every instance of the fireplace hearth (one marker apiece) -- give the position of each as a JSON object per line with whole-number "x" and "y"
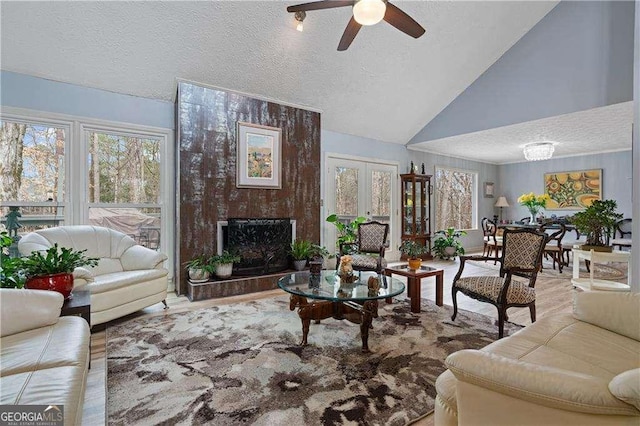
{"x": 263, "y": 244}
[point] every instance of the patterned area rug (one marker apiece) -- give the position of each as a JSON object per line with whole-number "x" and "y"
{"x": 241, "y": 364}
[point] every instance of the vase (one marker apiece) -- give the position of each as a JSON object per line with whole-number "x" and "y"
{"x": 532, "y": 216}
{"x": 62, "y": 283}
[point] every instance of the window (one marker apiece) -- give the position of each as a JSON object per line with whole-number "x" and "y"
{"x": 456, "y": 197}
{"x": 32, "y": 173}
{"x": 123, "y": 184}
{"x": 57, "y": 169}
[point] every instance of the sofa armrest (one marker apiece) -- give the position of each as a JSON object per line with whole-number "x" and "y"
{"x": 618, "y": 312}
{"x": 22, "y": 310}
{"x": 538, "y": 384}
{"x": 81, "y": 277}
{"x": 138, "y": 257}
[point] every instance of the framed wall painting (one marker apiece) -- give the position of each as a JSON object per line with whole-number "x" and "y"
{"x": 259, "y": 156}
{"x": 488, "y": 189}
{"x": 574, "y": 190}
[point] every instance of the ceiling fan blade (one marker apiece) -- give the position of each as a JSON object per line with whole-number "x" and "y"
{"x": 318, "y": 5}
{"x": 349, "y": 34}
{"x": 402, "y": 21}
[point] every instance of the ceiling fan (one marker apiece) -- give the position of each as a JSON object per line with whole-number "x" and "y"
{"x": 365, "y": 12}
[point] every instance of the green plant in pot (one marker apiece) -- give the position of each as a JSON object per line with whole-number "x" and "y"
{"x": 224, "y": 263}
{"x": 317, "y": 257}
{"x": 300, "y": 251}
{"x": 347, "y": 233}
{"x": 597, "y": 222}
{"x": 11, "y": 273}
{"x": 200, "y": 268}
{"x": 446, "y": 245}
{"x": 52, "y": 269}
{"x": 413, "y": 250}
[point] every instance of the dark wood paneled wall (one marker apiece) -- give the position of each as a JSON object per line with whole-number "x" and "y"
{"x": 206, "y": 155}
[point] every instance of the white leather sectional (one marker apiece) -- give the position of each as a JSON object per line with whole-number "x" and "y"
{"x": 579, "y": 369}
{"x": 44, "y": 357}
{"x": 128, "y": 277}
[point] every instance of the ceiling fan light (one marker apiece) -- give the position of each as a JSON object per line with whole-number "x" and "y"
{"x": 369, "y": 12}
{"x": 538, "y": 151}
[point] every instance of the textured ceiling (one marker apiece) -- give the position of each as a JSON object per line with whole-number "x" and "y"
{"x": 386, "y": 86}
{"x": 586, "y": 132}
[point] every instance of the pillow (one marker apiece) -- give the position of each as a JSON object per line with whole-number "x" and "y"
{"x": 626, "y": 387}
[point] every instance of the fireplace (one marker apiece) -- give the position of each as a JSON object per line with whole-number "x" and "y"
{"x": 263, "y": 244}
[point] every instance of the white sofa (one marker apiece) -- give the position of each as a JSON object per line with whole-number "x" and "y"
{"x": 566, "y": 369}
{"x": 128, "y": 277}
{"x": 44, "y": 356}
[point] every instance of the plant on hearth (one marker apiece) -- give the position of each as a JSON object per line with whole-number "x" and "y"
{"x": 446, "y": 245}
{"x": 200, "y": 268}
{"x": 224, "y": 263}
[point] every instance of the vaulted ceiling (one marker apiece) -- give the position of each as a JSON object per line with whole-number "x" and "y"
{"x": 386, "y": 86}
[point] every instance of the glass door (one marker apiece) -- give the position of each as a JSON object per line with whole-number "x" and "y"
{"x": 360, "y": 188}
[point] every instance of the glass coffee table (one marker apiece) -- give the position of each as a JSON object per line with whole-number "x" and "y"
{"x": 331, "y": 297}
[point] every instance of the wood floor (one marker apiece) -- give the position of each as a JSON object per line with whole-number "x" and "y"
{"x": 554, "y": 295}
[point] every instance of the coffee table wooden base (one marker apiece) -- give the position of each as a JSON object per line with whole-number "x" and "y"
{"x": 322, "y": 309}
{"x": 414, "y": 277}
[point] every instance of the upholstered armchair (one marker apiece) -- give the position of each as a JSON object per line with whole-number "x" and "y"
{"x": 522, "y": 257}
{"x": 367, "y": 252}
{"x": 128, "y": 276}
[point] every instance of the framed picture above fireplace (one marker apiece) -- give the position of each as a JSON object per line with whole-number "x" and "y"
{"x": 259, "y": 156}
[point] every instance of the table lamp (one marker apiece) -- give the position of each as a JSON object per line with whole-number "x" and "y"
{"x": 502, "y": 202}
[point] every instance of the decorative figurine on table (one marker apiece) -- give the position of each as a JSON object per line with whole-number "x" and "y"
{"x": 13, "y": 224}
{"x": 374, "y": 286}
{"x": 345, "y": 269}
{"x": 422, "y": 169}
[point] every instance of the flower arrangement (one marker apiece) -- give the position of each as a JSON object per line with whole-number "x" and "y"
{"x": 534, "y": 203}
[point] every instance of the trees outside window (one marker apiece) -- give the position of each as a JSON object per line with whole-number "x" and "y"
{"x": 456, "y": 198}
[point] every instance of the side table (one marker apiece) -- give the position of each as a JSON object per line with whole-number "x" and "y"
{"x": 79, "y": 305}
{"x": 414, "y": 277}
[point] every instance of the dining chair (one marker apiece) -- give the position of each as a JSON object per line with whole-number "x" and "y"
{"x": 367, "y": 252}
{"x": 489, "y": 231}
{"x": 553, "y": 248}
{"x": 623, "y": 228}
{"x": 521, "y": 257}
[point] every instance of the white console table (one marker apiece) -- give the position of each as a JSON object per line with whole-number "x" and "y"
{"x": 599, "y": 284}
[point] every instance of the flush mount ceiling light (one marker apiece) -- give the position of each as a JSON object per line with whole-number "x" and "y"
{"x": 365, "y": 12}
{"x": 538, "y": 151}
{"x": 369, "y": 12}
{"x": 300, "y": 18}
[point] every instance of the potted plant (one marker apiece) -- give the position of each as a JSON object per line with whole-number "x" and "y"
{"x": 224, "y": 263}
{"x": 11, "y": 273}
{"x": 597, "y": 222}
{"x": 413, "y": 250}
{"x": 347, "y": 233}
{"x": 52, "y": 269}
{"x": 300, "y": 251}
{"x": 200, "y": 268}
{"x": 317, "y": 256}
{"x": 447, "y": 246}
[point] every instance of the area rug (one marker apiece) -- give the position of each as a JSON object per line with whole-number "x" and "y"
{"x": 241, "y": 363}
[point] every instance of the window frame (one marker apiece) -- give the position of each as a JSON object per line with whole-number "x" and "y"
{"x": 76, "y": 196}
{"x": 474, "y": 196}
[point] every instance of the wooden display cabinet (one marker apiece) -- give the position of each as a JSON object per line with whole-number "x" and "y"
{"x": 416, "y": 209}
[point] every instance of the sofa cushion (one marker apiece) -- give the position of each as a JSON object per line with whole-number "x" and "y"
{"x": 490, "y": 287}
{"x": 63, "y": 344}
{"x": 614, "y": 311}
{"x": 626, "y": 387}
{"x": 23, "y": 310}
{"x": 113, "y": 281}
